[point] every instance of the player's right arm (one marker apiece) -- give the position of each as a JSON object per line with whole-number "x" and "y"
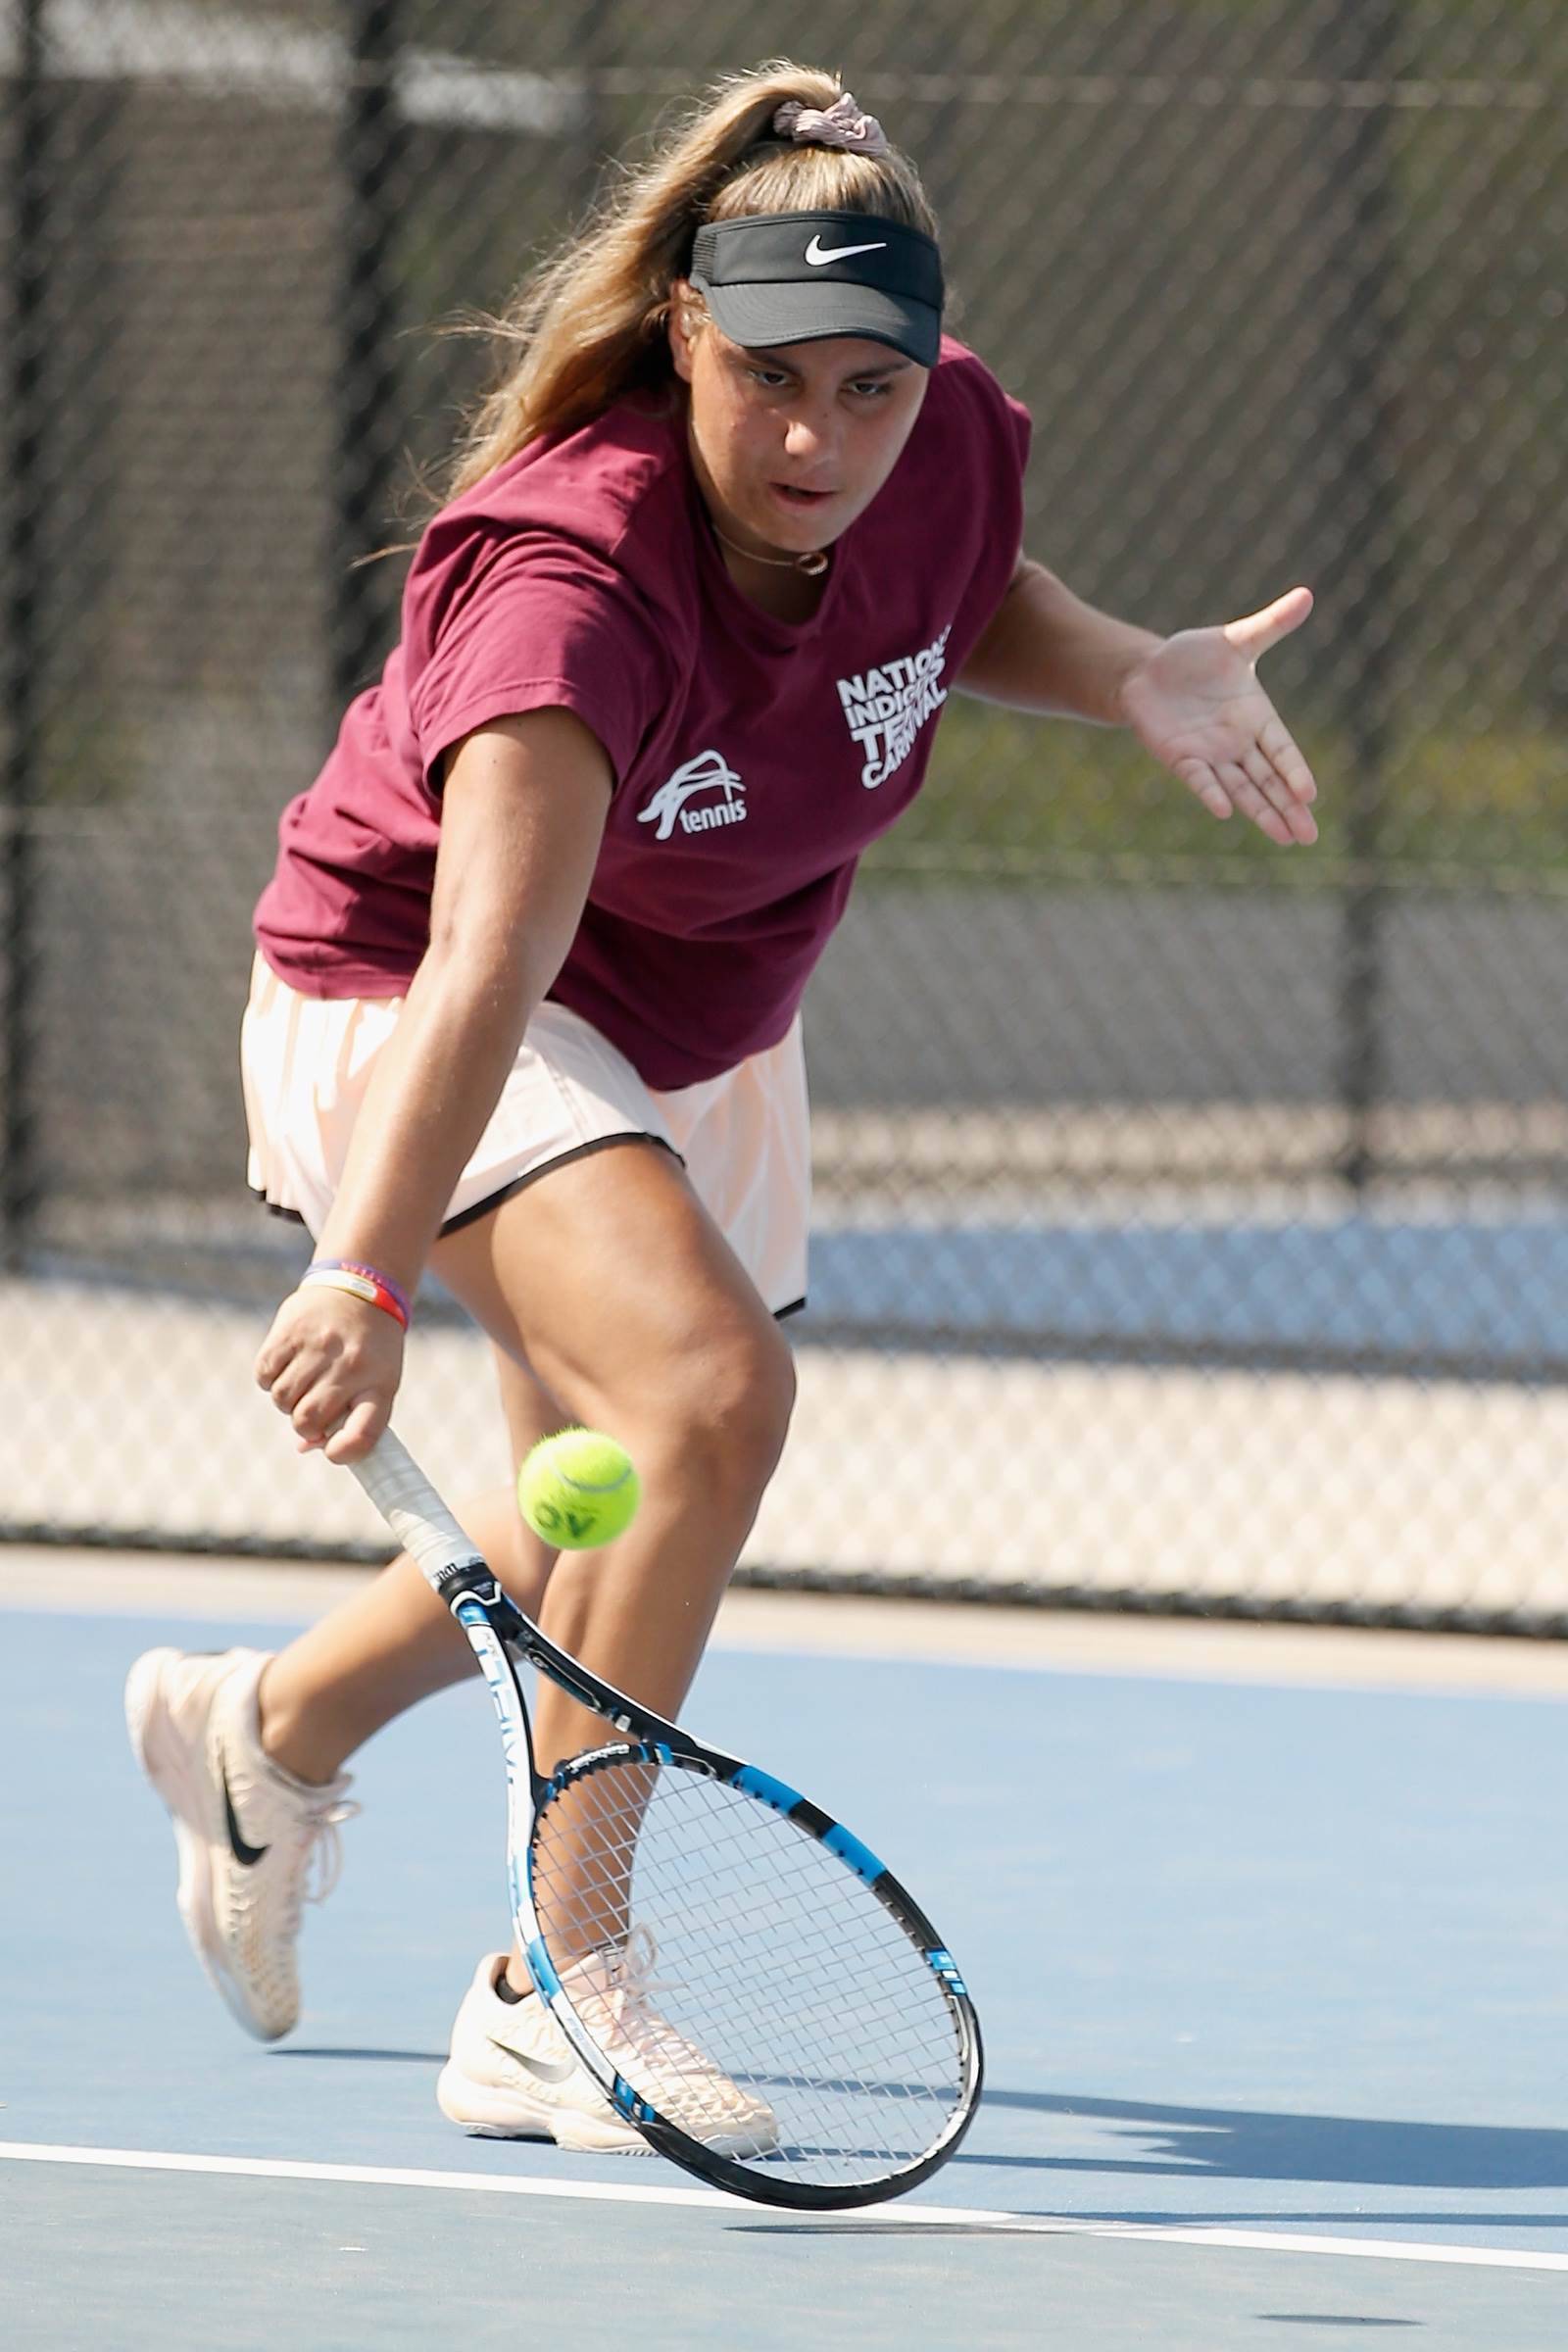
{"x": 522, "y": 816}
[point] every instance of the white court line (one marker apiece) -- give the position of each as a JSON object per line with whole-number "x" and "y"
{"x": 935, "y": 2217}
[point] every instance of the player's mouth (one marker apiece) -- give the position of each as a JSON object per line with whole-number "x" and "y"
{"x": 799, "y": 501}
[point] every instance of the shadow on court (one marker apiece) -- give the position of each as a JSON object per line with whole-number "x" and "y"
{"x": 1236, "y": 2143}
{"x": 1240, "y": 2144}
{"x": 364, "y": 2057}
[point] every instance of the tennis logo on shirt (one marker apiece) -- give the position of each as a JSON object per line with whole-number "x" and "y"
{"x": 885, "y": 707}
{"x": 709, "y": 772}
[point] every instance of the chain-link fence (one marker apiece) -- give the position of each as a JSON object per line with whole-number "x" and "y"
{"x": 1191, "y": 1219}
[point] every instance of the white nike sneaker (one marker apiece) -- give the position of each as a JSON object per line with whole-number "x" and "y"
{"x": 614, "y": 1990}
{"x": 513, "y": 2074}
{"x": 247, "y": 1832}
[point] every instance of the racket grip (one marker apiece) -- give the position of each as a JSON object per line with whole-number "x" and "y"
{"x": 412, "y": 1507}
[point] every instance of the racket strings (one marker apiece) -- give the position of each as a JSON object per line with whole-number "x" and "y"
{"x": 604, "y": 1858}
{"x": 733, "y": 1966}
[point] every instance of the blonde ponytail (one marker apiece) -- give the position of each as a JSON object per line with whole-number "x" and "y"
{"x": 589, "y": 325}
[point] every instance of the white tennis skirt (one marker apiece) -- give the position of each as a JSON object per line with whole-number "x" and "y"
{"x": 743, "y": 1137}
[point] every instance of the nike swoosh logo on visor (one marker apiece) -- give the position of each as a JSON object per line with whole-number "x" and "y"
{"x": 547, "y": 2070}
{"x": 816, "y": 253}
{"x": 250, "y": 1855}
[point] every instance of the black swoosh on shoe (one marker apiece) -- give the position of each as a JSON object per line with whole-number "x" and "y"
{"x": 250, "y": 1855}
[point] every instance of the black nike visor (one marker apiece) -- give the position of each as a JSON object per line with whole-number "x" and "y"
{"x": 798, "y": 277}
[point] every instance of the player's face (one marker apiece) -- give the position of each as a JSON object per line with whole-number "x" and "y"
{"x": 791, "y": 444}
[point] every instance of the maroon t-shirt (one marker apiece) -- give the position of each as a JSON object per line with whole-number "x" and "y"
{"x": 754, "y": 759}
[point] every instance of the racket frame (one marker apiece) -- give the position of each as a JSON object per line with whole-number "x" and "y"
{"x": 501, "y": 1636}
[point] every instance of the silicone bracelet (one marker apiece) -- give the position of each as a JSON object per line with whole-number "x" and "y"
{"x": 355, "y": 1266}
{"x": 358, "y": 1281}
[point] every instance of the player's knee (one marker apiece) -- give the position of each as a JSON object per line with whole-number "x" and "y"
{"x": 730, "y": 1404}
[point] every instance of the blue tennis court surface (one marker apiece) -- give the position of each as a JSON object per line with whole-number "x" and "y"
{"x": 1490, "y": 1293}
{"x": 1273, "y": 1982}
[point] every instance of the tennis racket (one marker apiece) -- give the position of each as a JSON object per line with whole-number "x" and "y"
{"x": 747, "y": 1984}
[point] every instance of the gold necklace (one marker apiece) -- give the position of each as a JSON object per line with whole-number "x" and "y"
{"x": 812, "y": 564}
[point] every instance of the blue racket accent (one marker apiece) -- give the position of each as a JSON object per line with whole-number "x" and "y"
{"x": 859, "y": 1858}
{"x": 777, "y": 1793}
{"x": 947, "y": 1968}
{"x": 542, "y": 1970}
{"x": 634, "y": 2109}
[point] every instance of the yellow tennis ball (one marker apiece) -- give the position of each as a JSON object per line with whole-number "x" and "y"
{"x": 578, "y": 1488}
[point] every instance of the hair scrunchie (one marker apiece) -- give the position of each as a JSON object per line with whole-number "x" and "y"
{"x": 842, "y": 124}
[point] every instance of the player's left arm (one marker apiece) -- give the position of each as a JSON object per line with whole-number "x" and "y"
{"x": 1192, "y": 700}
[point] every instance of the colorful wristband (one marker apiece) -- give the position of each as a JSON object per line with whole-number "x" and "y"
{"x": 359, "y": 1282}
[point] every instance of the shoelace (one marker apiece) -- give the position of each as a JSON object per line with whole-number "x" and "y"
{"x": 630, "y": 1971}
{"x": 629, "y": 1996}
{"x": 620, "y": 1978}
{"x": 324, "y": 1863}
{"x": 703, "y": 2090}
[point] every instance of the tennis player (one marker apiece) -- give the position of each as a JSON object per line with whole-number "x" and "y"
{"x": 737, "y": 521}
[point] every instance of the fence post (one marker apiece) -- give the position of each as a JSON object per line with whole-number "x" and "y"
{"x": 20, "y": 630}
{"x": 362, "y": 607}
{"x": 1363, "y": 61}
{"x": 592, "y": 29}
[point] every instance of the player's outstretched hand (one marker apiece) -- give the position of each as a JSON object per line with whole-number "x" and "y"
{"x": 1196, "y": 704}
{"x": 332, "y": 1363}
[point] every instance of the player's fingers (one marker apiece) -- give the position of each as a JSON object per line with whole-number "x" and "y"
{"x": 292, "y": 1380}
{"x": 1200, "y": 778}
{"x": 357, "y": 1434}
{"x": 287, "y": 1361}
{"x": 1285, "y": 756}
{"x": 320, "y": 1410}
{"x": 1292, "y": 814}
{"x": 1248, "y": 802}
{"x": 1255, "y": 632}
